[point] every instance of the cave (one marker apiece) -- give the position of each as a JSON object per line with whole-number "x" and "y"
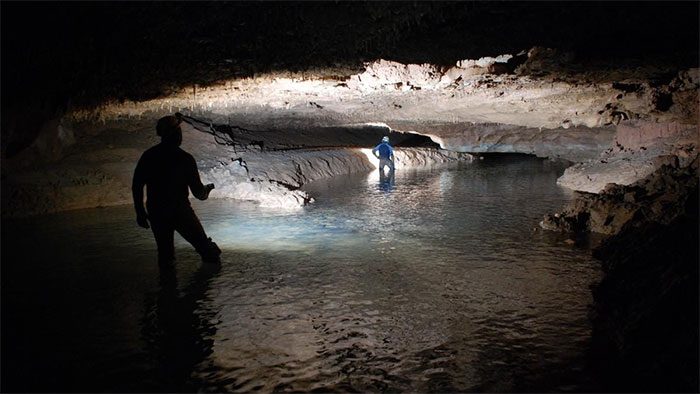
{"x": 537, "y": 230}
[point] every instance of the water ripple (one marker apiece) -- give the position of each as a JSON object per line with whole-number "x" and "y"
{"x": 437, "y": 284}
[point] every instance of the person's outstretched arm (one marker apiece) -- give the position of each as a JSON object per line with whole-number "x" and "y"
{"x": 199, "y": 191}
{"x": 137, "y": 184}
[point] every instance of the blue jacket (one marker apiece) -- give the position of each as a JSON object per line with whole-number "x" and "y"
{"x": 384, "y": 149}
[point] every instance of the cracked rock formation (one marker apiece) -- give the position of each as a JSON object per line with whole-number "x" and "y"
{"x": 659, "y": 197}
{"x": 638, "y": 149}
{"x": 97, "y": 169}
{"x": 281, "y": 94}
{"x": 535, "y": 102}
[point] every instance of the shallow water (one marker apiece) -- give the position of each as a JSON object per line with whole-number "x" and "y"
{"x": 436, "y": 282}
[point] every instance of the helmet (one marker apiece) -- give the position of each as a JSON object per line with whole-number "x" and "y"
{"x": 385, "y": 139}
{"x": 167, "y": 125}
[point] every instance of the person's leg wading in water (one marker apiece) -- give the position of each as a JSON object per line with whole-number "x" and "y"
{"x": 185, "y": 222}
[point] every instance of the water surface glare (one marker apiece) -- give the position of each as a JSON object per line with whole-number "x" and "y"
{"x": 435, "y": 282}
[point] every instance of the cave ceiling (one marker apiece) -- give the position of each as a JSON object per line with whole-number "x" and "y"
{"x": 81, "y": 54}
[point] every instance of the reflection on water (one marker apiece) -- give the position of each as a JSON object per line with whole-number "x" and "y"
{"x": 178, "y": 328}
{"x": 430, "y": 281}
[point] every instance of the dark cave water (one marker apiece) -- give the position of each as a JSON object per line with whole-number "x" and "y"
{"x": 436, "y": 282}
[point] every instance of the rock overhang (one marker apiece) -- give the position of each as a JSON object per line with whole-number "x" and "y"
{"x": 537, "y": 100}
{"x": 570, "y": 115}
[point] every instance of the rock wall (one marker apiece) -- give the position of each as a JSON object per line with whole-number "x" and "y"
{"x": 537, "y": 102}
{"x": 573, "y": 144}
{"x": 638, "y": 149}
{"x": 97, "y": 171}
{"x": 272, "y": 179}
{"x": 659, "y": 197}
{"x": 645, "y": 315}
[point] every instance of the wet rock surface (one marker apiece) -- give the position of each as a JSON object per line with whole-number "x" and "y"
{"x": 536, "y": 102}
{"x": 267, "y": 167}
{"x": 84, "y": 159}
{"x": 645, "y": 318}
{"x": 573, "y": 144}
{"x": 638, "y": 149}
{"x": 621, "y": 99}
{"x": 556, "y": 114}
{"x": 659, "y": 197}
{"x": 645, "y": 313}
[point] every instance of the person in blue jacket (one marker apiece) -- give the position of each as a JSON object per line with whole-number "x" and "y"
{"x": 385, "y": 153}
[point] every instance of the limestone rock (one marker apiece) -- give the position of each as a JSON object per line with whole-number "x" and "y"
{"x": 660, "y": 198}
{"x": 634, "y": 135}
{"x": 645, "y": 327}
{"x": 396, "y": 76}
{"x": 572, "y": 144}
{"x": 542, "y": 61}
{"x": 638, "y": 149}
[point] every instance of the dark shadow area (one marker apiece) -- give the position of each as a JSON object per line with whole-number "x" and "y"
{"x": 408, "y": 140}
{"x": 529, "y": 370}
{"x": 85, "y": 310}
{"x": 169, "y": 45}
{"x": 646, "y": 308}
{"x": 292, "y": 137}
{"x": 494, "y": 158}
{"x": 65, "y": 55}
{"x": 178, "y": 329}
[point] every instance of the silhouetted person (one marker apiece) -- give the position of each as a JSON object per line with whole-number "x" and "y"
{"x": 385, "y": 153}
{"x": 167, "y": 171}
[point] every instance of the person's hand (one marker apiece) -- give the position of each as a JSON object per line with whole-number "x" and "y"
{"x": 207, "y": 188}
{"x": 142, "y": 221}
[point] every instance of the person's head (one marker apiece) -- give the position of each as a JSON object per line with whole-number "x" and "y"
{"x": 385, "y": 139}
{"x": 168, "y": 129}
